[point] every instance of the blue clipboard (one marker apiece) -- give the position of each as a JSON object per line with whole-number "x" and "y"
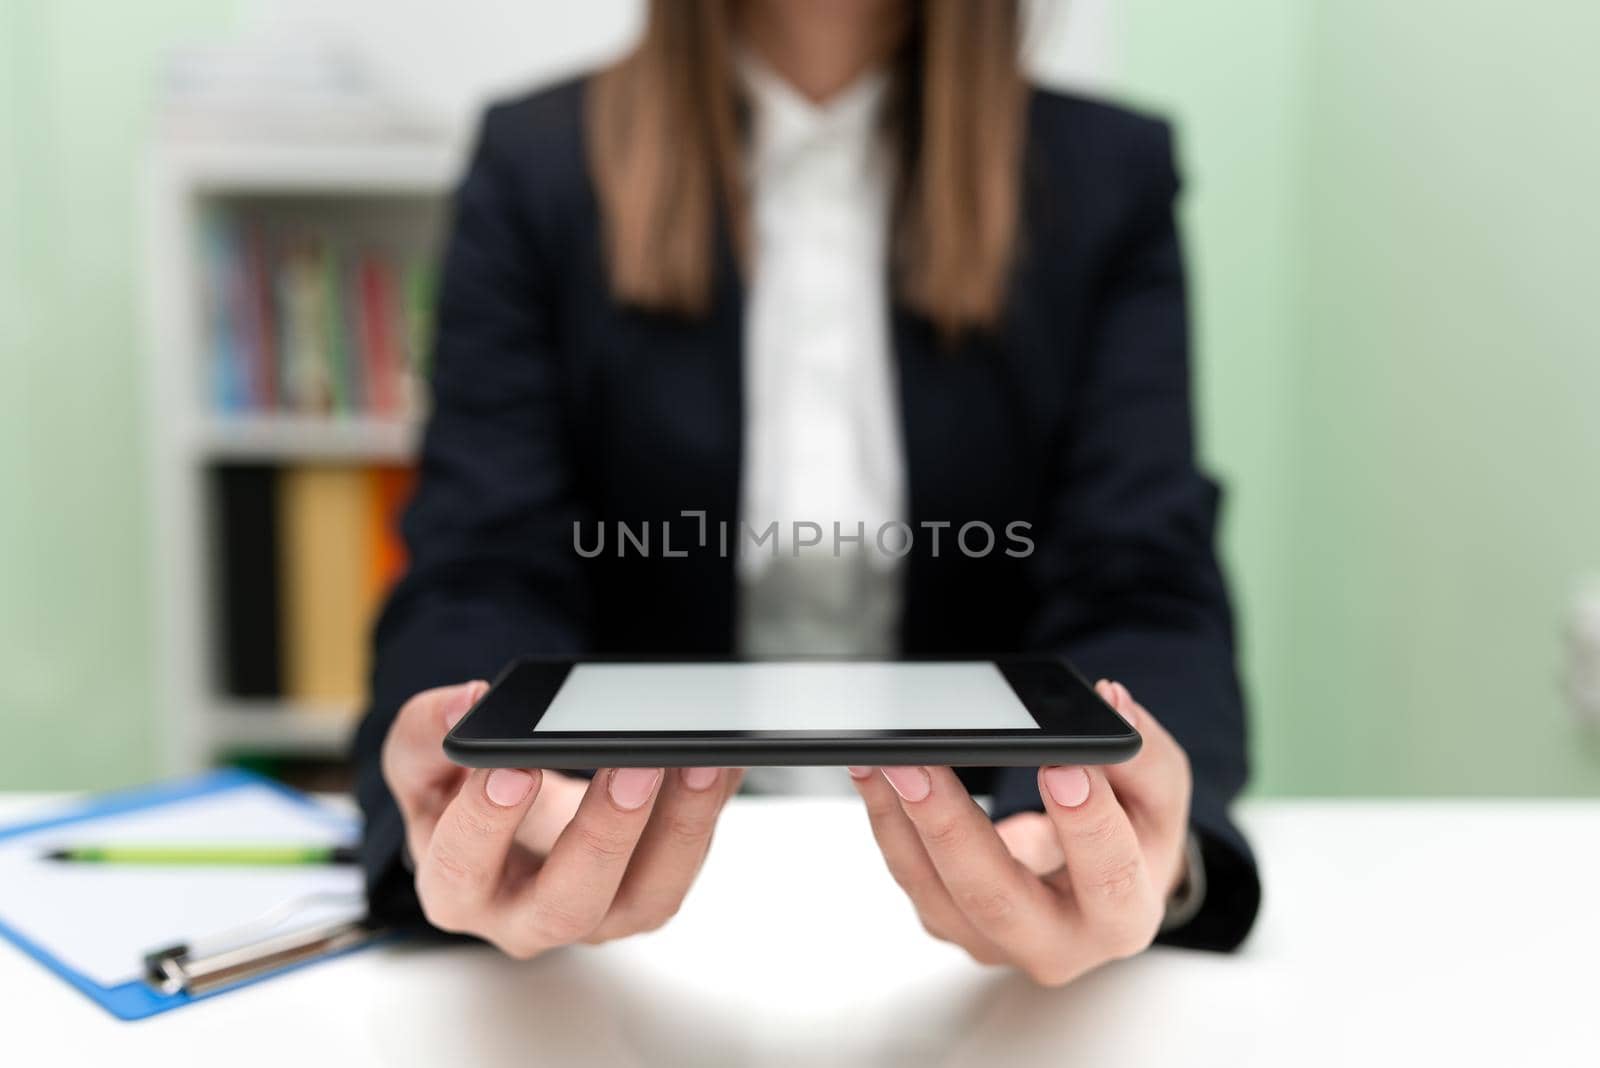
{"x": 137, "y": 999}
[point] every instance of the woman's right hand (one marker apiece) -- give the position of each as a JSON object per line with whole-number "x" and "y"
{"x": 530, "y": 860}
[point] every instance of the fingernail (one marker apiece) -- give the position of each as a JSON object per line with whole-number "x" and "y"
{"x": 700, "y": 778}
{"x": 632, "y": 787}
{"x": 912, "y": 784}
{"x": 507, "y": 787}
{"x": 860, "y": 773}
{"x": 1068, "y": 787}
{"x": 466, "y": 697}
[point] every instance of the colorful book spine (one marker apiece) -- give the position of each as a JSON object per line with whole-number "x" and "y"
{"x": 301, "y": 312}
{"x": 247, "y": 571}
{"x": 305, "y": 322}
{"x": 391, "y": 489}
{"x": 322, "y": 541}
{"x": 229, "y": 384}
{"x": 379, "y": 337}
{"x": 420, "y": 285}
{"x": 333, "y": 330}
{"x": 260, "y": 321}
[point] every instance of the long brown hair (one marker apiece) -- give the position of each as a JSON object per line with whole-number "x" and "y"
{"x": 664, "y": 141}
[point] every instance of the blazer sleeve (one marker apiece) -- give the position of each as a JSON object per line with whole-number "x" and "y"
{"x": 491, "y": 575}
{"x": 1125, "y": 560}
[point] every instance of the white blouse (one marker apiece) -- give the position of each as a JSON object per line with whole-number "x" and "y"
{"x": 822, "y": 412}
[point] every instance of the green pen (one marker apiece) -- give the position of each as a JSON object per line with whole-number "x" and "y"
{"x": 207, "y": 855}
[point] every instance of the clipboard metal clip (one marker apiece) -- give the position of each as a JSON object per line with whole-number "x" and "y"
{"x": 176, "y": 970}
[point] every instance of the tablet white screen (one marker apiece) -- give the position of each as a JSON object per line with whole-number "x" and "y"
{"x": 813, "y": 695}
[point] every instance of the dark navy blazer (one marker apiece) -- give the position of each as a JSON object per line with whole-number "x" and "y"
{"x": 553, "y": 404}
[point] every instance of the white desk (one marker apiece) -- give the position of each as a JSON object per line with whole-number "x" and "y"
{"x": 1393, "y": 933}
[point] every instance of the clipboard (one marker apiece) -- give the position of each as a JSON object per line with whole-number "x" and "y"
{"x": 316, "y": 912}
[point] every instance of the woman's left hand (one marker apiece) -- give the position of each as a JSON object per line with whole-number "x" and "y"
{"x": 1055, "y": 893}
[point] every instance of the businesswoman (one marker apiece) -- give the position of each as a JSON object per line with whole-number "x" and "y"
{"x": 824, "y": 263}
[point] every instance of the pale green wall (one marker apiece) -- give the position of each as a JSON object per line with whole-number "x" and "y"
{"x": 76, "y": 707}
{"x": 1231, "y": 78}
{"x": 1449, "y": 465}
{"x": 1391, "y": 220}
{"x": 1393, "y": 214}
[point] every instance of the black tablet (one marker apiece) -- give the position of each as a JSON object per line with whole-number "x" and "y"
{"x": 550, "y": 713}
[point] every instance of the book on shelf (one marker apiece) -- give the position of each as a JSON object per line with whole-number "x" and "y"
{"x": 303, "y": 372}
{"x": 321, "y": 534}
{"x": 247, "y": 580}
{"x": 307, "y": 323}
{"x": 228, "y": 386}
{"x": 308, "y": 554}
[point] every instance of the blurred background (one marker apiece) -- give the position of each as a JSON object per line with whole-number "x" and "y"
{"x": 217, "y": 222}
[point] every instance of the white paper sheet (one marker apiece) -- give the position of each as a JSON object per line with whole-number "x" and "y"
{"x": 101, "y": 919}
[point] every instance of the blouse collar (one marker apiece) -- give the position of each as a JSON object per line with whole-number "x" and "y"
{"x": 786, "y": 121}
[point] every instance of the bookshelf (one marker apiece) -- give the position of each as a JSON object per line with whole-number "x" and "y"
{"x": 355, "y": 194}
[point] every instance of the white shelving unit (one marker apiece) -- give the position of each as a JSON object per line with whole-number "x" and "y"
{"x": 282, "y": 438}
{"x": 378, "y": 183}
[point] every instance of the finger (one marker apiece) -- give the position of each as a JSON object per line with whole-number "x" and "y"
{"x": 460, "y": 876}
{"x": 421, "y": 778}
{"x": 559, "y": 797}
{"x": 1154, "y": 786}
{"x": 669, "y": 853}
{"x": 914, "y": 872}
{"x": 1031, "y": 838}
{"x": 578, "y": 881}
{"x": 1117, "y": 907}
{"x": 1003, "y": 900}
